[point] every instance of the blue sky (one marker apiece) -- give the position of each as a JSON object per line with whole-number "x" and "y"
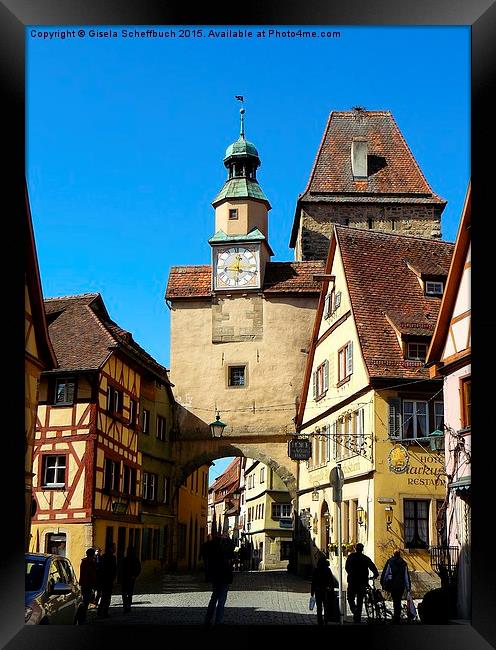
{"x": 126, "y": 136}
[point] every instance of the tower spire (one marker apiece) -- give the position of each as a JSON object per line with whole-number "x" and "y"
{"x": 241, "y": 99}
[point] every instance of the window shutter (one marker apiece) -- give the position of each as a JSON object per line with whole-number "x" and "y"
{"x": 109, "y": 398}
{"x": 337, "y": 300}
{"x": 326, "y": 374}
{"x": 334, "y": 430}
{"x": 327, "y": 306}
{"x": 70, "y": 390}
{"x": 349, "y": 358}
{"x": 394, "y": 428}
{"x": 314, "y": 375}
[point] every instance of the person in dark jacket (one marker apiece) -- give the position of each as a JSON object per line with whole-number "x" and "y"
{"x": 131, "y": 568}
{"x": 322, "y": 581}
{"x": 204, "y": 551}
{"x": 87, "y": 581}
{"x": 220, "y": 574}
{"x": 395, "y": 578}
{"x": 357, "y": 567}
{"x": 107, "y": 572}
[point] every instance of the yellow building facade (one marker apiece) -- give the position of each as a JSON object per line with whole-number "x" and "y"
{"x": 192, "y": 518}
{"x": 369, "y": 407}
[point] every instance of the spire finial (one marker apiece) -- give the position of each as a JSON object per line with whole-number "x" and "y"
{"x": 241, "y": 99}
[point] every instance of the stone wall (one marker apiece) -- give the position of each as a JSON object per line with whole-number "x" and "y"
{"x": 317, "y": 219}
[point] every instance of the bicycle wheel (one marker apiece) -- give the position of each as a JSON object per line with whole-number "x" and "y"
{"x": 369, "y": 607}
{"x": 380, "y": 610}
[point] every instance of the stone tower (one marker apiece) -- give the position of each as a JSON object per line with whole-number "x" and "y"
{"x": 240, "y": 326}
{"x": 364, "y": 176}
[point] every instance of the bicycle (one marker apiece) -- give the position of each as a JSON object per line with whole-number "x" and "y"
{"x": 375, "y": 606}
{"x": 376, "y": 609}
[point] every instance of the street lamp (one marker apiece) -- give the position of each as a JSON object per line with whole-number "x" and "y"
{"x": 360, "y": 516}
{"x": 217, "y": 427}
{"x": 315, "y": 493}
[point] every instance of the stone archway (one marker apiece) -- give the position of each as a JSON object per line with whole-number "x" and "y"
{"x": 195, "y": 453}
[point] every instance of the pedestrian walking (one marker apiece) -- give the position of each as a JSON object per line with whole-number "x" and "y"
{"x": 322, "y": 582}
{"x": 87, "y": 582}
{"x": 244, "y": 556}
{"x": 130, "y": 570}
{"x": 107, "y": 572}
{"x": 395, "y": 578}
{"x": 220, "y": 574}
{"x": 357, "y": 567}
{"x": 255, "y": 559}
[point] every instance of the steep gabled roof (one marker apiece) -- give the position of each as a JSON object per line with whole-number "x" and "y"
{"x": 453, "y": 282}
{"x": 280, "y": 278}
{"x": 84, "y": 335}
{"x": 386, "y": 298}
{"x": 33, "y": 282}
{"x": 394, "y": 175}
{"x": 380, "y": 283}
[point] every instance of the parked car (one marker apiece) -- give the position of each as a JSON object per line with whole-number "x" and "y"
{"x": 52, "y": 592}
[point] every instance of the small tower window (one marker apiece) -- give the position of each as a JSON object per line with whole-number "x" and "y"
{"x": 393, "y": 224}
{"x": 370, "y": 223}
{"x": 233, "y": 213}
{"x": 434, "y": 288}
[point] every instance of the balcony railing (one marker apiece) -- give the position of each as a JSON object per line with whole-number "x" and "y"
{"x": 444, "y": 561}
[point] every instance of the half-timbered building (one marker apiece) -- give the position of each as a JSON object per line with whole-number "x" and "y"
{"x": 87, "y": 462}
{"x": 39, "y": 356}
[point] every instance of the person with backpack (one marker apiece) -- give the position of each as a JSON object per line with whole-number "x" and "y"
{"x": 357, "y": 567}
{"x": 220, "y": 574}
{"x": 395, "y": 578}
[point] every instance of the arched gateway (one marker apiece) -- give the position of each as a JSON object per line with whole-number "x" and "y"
{"x": 192, "y": 454}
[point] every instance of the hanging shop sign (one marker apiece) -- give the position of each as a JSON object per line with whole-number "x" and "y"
{"x": 398, "y": 459}
{"x": 300, "y": 449}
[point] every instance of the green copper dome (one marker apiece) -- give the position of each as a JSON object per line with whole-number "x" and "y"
{"x": 241, "y": 148}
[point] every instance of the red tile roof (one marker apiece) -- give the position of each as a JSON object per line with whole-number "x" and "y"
{"x": 280, "y": 278}
{"x": 381, "y": 285}
{"x": 83, "y": 335}
{"x": 394, "y": 175}
{"x": 392, "y": 167}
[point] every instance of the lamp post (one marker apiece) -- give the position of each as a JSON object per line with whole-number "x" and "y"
{"x": 217, "y": 427}
{"x": 336, "y": 479}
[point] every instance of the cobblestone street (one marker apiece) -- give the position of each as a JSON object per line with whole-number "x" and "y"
{"x": 255, "y": 598}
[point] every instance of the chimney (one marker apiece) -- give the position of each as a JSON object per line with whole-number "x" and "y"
{"x": 359, "y": 152}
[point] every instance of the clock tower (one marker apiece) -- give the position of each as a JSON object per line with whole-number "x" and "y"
{"x": 240, "y": 248}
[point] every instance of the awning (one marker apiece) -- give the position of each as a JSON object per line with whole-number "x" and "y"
{"x": 462, "y": 483}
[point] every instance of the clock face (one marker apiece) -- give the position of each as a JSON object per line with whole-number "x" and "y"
{"x": 236, "y": 267}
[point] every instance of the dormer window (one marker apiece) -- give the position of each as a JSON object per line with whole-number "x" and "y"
{"x": 434, "y": 288}
{"x": 416, "y": 351}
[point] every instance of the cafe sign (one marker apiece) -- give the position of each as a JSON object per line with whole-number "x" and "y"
{"x": 300, "y": 449}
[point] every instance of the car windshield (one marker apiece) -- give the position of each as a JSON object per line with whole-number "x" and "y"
{"x": 35, "y": 570}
